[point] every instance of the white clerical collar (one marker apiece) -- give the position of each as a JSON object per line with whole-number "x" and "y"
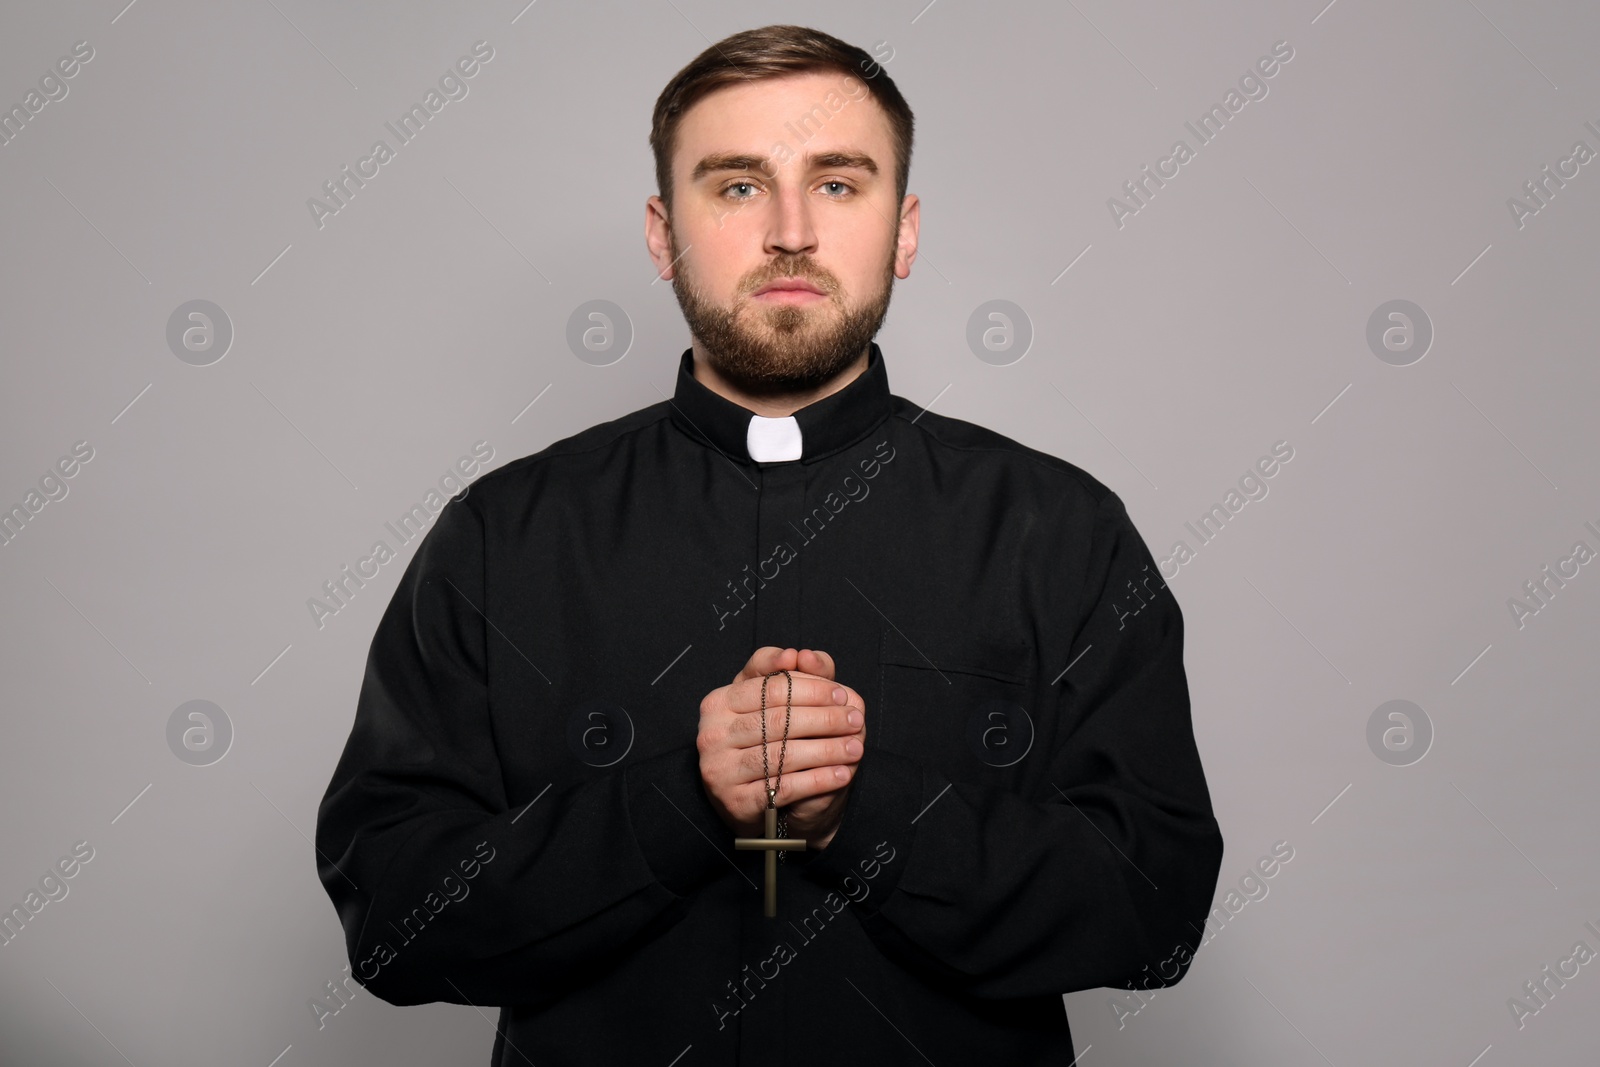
{"x": 773, "y": 440}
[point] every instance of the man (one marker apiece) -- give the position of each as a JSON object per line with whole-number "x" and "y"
{"x": 950, "y": 654}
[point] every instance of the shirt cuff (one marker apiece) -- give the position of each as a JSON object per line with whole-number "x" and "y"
{"x": 680, "y": 834}
{"x": 874, "y": 841}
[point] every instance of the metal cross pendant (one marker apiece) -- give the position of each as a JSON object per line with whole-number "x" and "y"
{"x": 772, "y": 843}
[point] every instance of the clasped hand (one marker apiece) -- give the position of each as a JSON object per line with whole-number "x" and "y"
{"x": 827, "y": 735}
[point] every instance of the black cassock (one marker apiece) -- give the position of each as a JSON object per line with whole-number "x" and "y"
{"x": 518, "y": 819}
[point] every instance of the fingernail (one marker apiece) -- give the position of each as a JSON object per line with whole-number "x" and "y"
{"x": 853, "y": 717}
{"x": 840, "y": 773}
{"x": 838, "y": 696}
{"x": 852, "y": 747}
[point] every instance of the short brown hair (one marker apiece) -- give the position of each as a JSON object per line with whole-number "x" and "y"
{"x": 772, "y": 52}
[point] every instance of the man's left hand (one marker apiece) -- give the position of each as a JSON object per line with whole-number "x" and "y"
{"x": 817, "y": 818}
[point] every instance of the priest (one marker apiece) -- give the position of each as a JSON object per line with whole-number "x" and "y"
{"x": 784, "y": 721}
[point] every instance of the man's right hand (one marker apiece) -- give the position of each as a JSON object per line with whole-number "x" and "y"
{"x": 826, "y": 738}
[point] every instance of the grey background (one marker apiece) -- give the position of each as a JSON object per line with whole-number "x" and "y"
{"x": 1228, "y": 314}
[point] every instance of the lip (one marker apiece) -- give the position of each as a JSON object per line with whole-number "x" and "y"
{"x": 796, "y": 287}
{"x": 790, "y": 296}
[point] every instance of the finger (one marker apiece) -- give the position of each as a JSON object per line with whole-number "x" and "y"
{"x": 803, "y": 785}
{"x": 744, "y": 731}
{"x": 815, "y": 661}
{"x": 743, "y": 695}
{"x": 809, "y": 691}
{"x": 767, "y": 659}
{"x": 799, "y": 756}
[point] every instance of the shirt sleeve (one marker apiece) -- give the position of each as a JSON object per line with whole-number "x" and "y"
{"x": 1104, "y": 873}
{"x": 445, "y": 891}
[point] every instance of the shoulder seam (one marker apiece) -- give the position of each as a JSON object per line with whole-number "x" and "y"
{"x": 1096, "y": 489}
{"x": 549, "y": 451}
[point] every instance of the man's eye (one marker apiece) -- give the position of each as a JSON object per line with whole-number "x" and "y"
{"x": 736, "y": 185}
{"x": 842, "y": 185}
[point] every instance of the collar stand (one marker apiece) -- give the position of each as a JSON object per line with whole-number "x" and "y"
{"x": 817, "y": 430}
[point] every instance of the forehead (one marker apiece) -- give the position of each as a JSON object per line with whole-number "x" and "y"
{"x": 807, "y": 113}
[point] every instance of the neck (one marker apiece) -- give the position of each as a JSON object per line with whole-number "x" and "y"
{"x": 773, "y": 406}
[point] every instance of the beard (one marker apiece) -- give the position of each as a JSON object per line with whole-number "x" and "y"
{"x": 782, "y": 349}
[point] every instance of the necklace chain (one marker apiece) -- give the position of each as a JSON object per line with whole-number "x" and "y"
{"x": 783, "y": 749}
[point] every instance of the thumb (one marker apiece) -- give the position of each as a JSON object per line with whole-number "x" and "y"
{"x": 767, "y": 659}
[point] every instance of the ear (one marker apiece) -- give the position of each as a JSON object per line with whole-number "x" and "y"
{"x": 906, "y": 236}
{"x": 657, "y": 236}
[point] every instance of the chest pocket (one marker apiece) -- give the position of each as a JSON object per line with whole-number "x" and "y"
{"x": 957, "y": 701}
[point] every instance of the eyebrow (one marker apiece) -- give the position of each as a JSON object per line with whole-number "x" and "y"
{"x": 718, "y": 162}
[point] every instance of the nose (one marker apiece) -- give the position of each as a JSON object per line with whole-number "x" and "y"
{"x": 791, "y": 230}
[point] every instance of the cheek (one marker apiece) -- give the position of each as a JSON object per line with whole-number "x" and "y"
{"x": 720, "y": 259}
{"x": 861, "y": 271}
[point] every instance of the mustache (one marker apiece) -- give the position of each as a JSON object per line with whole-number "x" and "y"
{"x": 804, "y": 271}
